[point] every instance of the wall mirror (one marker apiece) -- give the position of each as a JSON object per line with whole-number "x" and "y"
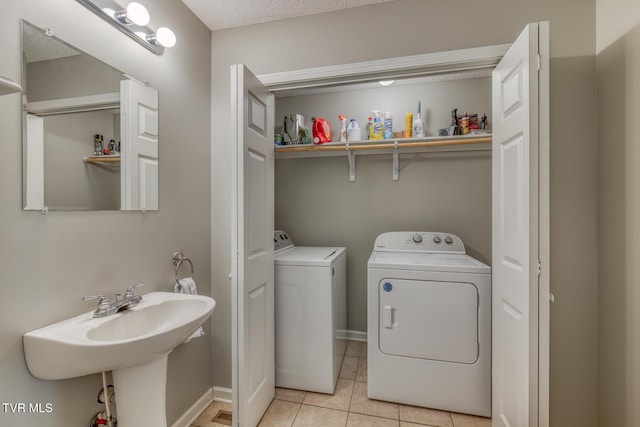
{"x": 90, "y": 133}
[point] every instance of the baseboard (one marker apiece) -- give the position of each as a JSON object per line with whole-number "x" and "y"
{"x": 357, "y": 336}
{"x": 222, "y": 394}
{"x": 196, "y": 409}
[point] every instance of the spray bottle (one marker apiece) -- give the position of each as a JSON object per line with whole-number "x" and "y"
{"x": 418, "y": 124}
{"x": 343, "y": 128}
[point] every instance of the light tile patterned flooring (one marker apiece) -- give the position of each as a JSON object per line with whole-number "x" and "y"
{"x": 347, "y": 407}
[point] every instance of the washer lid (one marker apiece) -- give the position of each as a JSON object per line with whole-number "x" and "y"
{"x": 427, "y": 262}
{"x": 309, "y": 255}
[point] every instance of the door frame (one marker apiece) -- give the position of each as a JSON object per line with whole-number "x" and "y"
{"x": 454, "y": 62}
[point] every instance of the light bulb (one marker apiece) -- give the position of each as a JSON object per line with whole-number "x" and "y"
{"x": 165, "y": 37}
{"x": 135, "y": 13}
{"x": 386, "y": 82}
{"x": 138, "y": 14}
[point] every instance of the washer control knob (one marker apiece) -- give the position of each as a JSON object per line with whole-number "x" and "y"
{"x": 437, "y": 239}
{"x": 417, "y": 238}
{"x": 448, "y": 240}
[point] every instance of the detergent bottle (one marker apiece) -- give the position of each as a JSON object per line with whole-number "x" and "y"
{"x": 321, "y": 130}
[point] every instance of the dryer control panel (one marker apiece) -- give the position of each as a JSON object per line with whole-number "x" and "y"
{"x": 281, "y": 240}
{"x": 419, "y": 241}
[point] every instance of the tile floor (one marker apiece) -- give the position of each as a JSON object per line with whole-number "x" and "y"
{"x": 347, "y": 407}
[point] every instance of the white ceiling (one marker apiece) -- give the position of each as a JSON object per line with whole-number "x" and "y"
{"x": 221, "y": 14}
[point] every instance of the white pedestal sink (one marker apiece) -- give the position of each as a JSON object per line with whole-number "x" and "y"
{"x": 134, "y": 344}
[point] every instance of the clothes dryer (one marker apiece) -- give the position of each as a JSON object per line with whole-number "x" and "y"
{"x": 311, "y": 314}
{"x": 429, "y": 323}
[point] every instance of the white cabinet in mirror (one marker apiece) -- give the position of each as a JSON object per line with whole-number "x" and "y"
{"x": 77, "y": 107}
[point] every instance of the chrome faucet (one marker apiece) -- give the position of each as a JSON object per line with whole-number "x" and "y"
{"x": 106, "y": 308}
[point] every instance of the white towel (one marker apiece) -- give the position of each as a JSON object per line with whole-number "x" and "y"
{"x": 188, "y": 286}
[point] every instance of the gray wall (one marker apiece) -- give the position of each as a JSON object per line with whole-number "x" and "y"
{"x": 415, "y": 27}
{"x": 79, "y": 75}
{"x": 618, "y": 62}
{"x": 48, "y": 262}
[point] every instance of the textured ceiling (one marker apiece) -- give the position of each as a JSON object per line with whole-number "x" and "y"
{"x": 220, "y": 14}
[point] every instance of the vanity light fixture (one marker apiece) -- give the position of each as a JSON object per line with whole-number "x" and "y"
{"x": 132, "y": 21}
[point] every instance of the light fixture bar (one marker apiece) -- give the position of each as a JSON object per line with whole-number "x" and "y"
{"x": 100, "y": 7}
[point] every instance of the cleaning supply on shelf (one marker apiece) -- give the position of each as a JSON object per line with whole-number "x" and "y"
{"x": 353, "y": 131}
{"x": 388, "y": 125}
{"x": 376, "y": 127}
{"x": 343, "y": 128}
{"x": 408, "y": 125}
{"x": 418, "y": 124}
{"x": 321, "y": 130}
{"x": 464, "y": 123}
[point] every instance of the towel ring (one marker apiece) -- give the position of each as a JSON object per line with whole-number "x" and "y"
{"x": 178, "y": 259}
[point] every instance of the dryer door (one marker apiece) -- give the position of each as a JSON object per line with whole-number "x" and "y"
{"x": 429, "y": 320}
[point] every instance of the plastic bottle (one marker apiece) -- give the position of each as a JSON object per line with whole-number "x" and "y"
{"x": 418, "y": 124}
{"x": 343, "y": 128}
{"x": 408, "y": 125}
{"x": 97, "y": 145}
{"x": 388, "y": 125}
{"x": 464, "y": 123}
{"x": 353, "y": 131}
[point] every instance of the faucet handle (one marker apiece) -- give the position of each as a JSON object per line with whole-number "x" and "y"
{"x": 103, "y": 302}
{"x": 130, "y": 289}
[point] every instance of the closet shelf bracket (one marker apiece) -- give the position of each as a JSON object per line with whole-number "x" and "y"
{"x": 395, "y": 161}
{"x": 351, "y": 156}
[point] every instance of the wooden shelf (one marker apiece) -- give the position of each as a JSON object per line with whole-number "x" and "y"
{"x": 435, "y": 144}
{"x": 425, "y": 144}
{"x": 102, "y": 159}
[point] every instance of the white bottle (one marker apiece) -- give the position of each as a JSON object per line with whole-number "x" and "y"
{"x": 418, "y": 125}
{"x": 353, "y": 131}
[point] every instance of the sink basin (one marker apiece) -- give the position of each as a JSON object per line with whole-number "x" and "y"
{"x": 134, "y": 344}
{"x": 86, "y": 345}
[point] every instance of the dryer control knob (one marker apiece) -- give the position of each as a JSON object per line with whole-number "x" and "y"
{"x": 417, "y": 238}
{"x": 448, "y": 240}
{"x": 437, "y": 239}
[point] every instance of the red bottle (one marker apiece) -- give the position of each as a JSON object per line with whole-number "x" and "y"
{"x": 321, "y": 130}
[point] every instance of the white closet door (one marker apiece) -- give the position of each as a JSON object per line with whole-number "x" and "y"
{"x": 139, "y": 146}
{"x": 252, "y": 277}
{"x": 519, "y": 129}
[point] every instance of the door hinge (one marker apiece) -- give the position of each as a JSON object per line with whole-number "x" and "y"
{"x": 539, "y": 268}
{"x": 539, "y": 62}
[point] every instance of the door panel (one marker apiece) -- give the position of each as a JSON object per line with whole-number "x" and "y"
{"x": 139, "y": 146}
{"x": 252, "y": 277}
{"x": 516, "y": 231}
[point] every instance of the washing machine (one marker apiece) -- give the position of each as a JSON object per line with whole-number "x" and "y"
{"x": 429, "y": 323}
{"x": 311, "y": 314}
